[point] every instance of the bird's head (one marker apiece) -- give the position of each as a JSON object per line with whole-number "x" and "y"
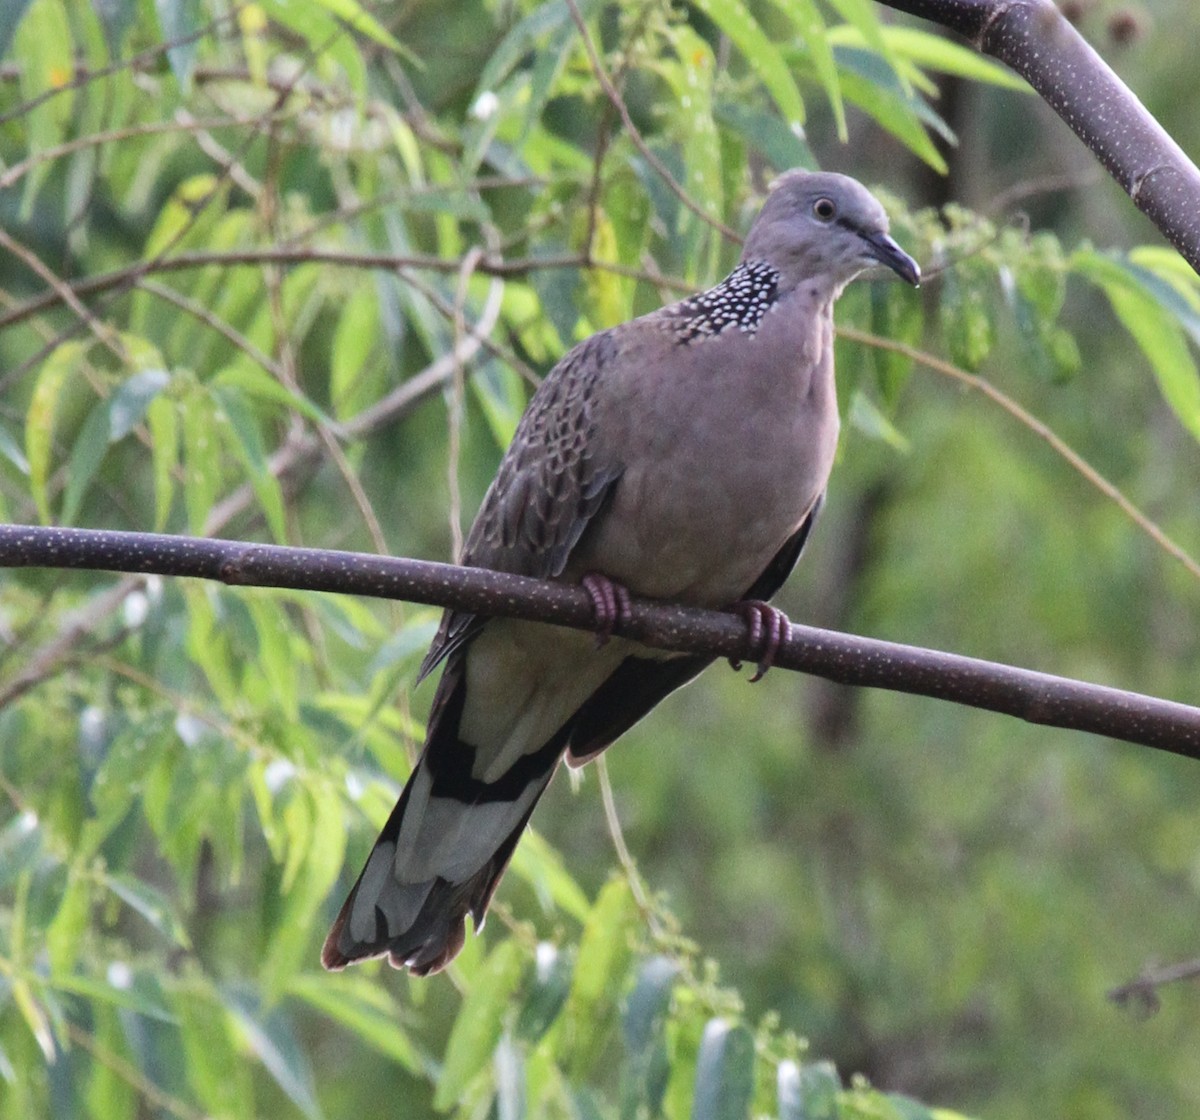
{"x": 827, "y": 227}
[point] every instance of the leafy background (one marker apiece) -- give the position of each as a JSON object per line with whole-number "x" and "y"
{"x": 794, "y": 900}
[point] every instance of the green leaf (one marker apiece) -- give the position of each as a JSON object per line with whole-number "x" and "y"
{"x": 44, "y": 46}
{"x": 179, "y": 20}
{"x": 11, "y": 14}
{"x": 201, "y": 459}
{"x": 162, "y": 418}
{"x": 1156, "y": 331}
{"x": 908, "y": 1109}
{"x": 129, "y": 402}
{"x": 86, "y": 455}
{"x": 247, "y": 444}
{"x": 291, "y": 938}
{"x": 362, "y": 1006}
{"x": 143, "y": 993}
{"x": 351, "y": 380}
{"x": 646, "y": 1070}
{"x": 604, "y": 955}
{"x": 860, "y": 15}
{"x": 966, "y": 321}
{"x": 273, "y": 1040}
{"x": 782, "y": 147}
{"x": 1171, "y": 297}
{"x": 359, "y": 19}
{"x": 479, "y": 1024}
{"x": 724, "y": 1073}
{"x": 933, "y": 52}
{"x": 807, "y": 1092}
{"x": 520, "y": 40}
{"x": 256, "y": 382}
{"x": 866, "y": 418}
{"x": 110, "y": 1094}
{"x": 807, "y": 18}
{"x": 10, "y": 450}
{"x": 215, "y": 1069}
{"x": 547, "y": 992}
{"x": 868, "y": 83}
{"x": 108, "y": 422}
{"x": 324, "y": 34}
{"x": 48, "y": 391}
{"x": 64, "y": 935}
{"x": 151, "y": 904}
{"x": 542, "y": 867}
{"x": 735, "y": 20}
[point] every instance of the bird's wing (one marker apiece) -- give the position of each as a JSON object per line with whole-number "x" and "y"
{"x": 640, "y": 683}
{"x": 551, "y": 483}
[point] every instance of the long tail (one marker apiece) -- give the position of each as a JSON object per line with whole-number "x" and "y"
{"x": 443, "y": 850}
{"x": 453, "y": 831}
{"x": 419, "y": 922}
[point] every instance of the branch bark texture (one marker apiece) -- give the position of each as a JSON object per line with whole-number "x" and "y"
{"x": 1034, "y": 38}
{"x": 847, "y": 659}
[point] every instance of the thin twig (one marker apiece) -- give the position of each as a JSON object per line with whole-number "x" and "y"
{"x": 126, "y": 1071}
{"x": 1040, "y": 429}
{"x": 1141, "y": 993}
{"x": 128, "y": 275}
{"x": 633, "y": 876}
{"x": 98, "y": 139}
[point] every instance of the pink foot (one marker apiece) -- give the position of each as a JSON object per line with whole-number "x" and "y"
{"x": 768, "y": 628}
{"x": 610, "y": 602}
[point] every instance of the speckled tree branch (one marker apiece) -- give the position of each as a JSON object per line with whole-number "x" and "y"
{"x": 1034, "y": 38}
{"x": 845, "y": 658}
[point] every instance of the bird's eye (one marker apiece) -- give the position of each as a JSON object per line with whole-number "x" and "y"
{"x": 824, "y": 209}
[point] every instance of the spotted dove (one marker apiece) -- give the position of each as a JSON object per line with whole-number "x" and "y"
{"x": 682, "y": 456}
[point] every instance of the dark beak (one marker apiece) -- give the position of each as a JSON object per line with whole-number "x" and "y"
{"x": 883, "y": 249}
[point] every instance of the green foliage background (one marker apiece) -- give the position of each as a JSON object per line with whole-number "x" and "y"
{"x": 843, "y": 902}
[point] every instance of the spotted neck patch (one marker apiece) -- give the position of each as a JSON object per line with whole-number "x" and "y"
{"x": 740, "y": 300}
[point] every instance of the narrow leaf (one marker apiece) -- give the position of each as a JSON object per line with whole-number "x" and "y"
{"x": 547, "y": 993}
{"x": 724, "y": 1073}
{"x": 128, "y": 403}
{"x": 151, "y": 904}
{"x": 39, "y": 419}
{"x": 478, "y": 1026}
{"x": 1157, "y": 333}
{"x": 179, "y": 21}
{"x": 735, "y": 20}
{"x": 162, "y": 418}
{"x": 85, "y": 458}
{"x": 362, "y": 1006}
{"x": 11, "y": 13}
{"x": 274, "y": 1042}
{"x": 201, "y": 459}
{"x": 807, "y": 1092}
{"x": 604, "y": 953}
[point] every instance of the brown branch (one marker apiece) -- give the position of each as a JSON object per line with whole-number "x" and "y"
{"x": 1038, "y": 43}
{"x": 848, "y": 659}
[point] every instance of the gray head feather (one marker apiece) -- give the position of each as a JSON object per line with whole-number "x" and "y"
{"x": 826, "y": 228}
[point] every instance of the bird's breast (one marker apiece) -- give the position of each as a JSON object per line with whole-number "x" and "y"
{"x": 734, "y": 449}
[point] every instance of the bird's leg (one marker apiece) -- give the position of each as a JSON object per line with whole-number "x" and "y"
{"x": 610, "y": 603}
{"x": 768, "y": 628}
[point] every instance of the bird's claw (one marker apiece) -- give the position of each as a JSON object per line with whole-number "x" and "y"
{"x": 767, "y": 629}
{"x": 610, "y": 604}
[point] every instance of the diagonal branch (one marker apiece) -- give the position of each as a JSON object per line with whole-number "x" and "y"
{"x": 848, "y": 659}
{"x": 1036, "y": 40}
